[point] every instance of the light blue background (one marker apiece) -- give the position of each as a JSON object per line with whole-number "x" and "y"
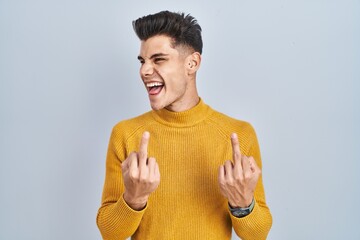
{"x": 68, "y": 73}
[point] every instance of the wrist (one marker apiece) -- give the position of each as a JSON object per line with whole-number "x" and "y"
{"x": 242, "y": 212}
{"x": 137, "y": 204}
{"x": 241, "y": 204}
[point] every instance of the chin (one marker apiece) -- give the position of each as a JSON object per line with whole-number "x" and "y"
{"x": 156, "y": 107}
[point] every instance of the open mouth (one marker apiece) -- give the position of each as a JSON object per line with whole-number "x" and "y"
{"x": 154, "y": 87}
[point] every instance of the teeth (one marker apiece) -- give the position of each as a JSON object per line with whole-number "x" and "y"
{"x": 154, "y": 84}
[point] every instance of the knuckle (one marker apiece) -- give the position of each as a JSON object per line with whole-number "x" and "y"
{"x": 151, "y": 160}
{"x": 143, "y": 178}
{"x": 228, "y": 163}
{"x": 132, "y": 154}
{"x": 239, "y": 178}
{"x": 129, "y": 157}
{"x": 248, "y": 176}
{"x": 133, "y": 176}
{"x": 150, "y": 181}
{"x": 237, "y": 155}
{"x": 141, "y": 155}
{"x": 231, "y": 183}
{"x": 222, "y": 183}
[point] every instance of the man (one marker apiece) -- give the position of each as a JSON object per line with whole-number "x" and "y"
{"x": 201, "y": 194}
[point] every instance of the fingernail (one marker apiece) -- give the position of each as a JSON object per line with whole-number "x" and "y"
{"x": 233, "y": 135}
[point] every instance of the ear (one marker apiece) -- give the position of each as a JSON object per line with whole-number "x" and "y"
{"x": 193, "y": 62}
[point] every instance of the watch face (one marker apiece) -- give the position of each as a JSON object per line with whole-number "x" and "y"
{"x": 240, "y": 213}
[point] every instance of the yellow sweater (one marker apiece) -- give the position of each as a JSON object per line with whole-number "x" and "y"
{"x": 189, "y": 147}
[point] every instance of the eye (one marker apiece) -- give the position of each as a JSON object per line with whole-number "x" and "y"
{"x": 159, "y": 60}
{"x": 141, "y": 62}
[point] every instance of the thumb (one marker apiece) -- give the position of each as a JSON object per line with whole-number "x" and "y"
{"x": 125, "y": 165}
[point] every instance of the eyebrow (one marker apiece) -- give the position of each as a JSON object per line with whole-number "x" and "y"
{"x": 154, "y": 56}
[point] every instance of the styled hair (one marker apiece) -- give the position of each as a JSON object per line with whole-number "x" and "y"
{"x": 183, "y": 29}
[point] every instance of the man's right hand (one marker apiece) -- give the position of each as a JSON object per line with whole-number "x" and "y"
{"x": 141, "y": 175}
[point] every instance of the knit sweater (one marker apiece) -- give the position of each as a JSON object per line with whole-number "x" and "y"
{"x": 189, "y": 147}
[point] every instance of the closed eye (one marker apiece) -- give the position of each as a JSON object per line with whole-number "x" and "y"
{"x": 158, "y": 60}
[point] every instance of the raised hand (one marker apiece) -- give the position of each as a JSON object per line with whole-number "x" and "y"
{"x": 141, "y": 175}
{"x": 238, "y": 179}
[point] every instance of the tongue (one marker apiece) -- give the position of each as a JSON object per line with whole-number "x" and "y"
{"x": 155, "y": 90}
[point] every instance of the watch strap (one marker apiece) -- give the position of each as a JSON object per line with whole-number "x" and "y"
{"x": 242, "y": 212}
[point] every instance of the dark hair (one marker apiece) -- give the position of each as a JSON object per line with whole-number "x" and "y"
{"x": 183, "y": 29}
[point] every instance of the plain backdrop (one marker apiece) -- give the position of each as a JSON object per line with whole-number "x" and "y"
{"x": 69, "y": 73}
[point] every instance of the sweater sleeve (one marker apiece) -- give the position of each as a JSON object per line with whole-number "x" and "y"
{"x": 257, "y": 224}
{"x": 115, "y": 219}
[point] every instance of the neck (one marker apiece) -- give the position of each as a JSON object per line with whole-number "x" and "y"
{"x": 184, "y": 118}
{"x": 181, "y": 105}
{"x": 188, "y": 101}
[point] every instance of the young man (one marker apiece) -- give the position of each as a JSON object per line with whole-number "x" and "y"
{"x": 202, "y": 194}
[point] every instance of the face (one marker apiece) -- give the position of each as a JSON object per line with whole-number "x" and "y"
{"x": 164, "y": 71}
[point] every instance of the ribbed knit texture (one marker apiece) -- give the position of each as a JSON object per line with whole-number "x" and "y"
{"x": 189, "y": 147}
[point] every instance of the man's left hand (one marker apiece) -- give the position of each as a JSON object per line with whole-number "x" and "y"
{"x": 238, "y": 179}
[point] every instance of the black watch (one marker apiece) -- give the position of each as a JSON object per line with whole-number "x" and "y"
{"x": 242, "y": 212}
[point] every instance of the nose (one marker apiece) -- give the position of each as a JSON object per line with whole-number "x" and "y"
{"x": 146, "y": 69}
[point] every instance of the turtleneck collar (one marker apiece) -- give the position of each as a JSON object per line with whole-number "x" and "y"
{"x": 186, "y": 118}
